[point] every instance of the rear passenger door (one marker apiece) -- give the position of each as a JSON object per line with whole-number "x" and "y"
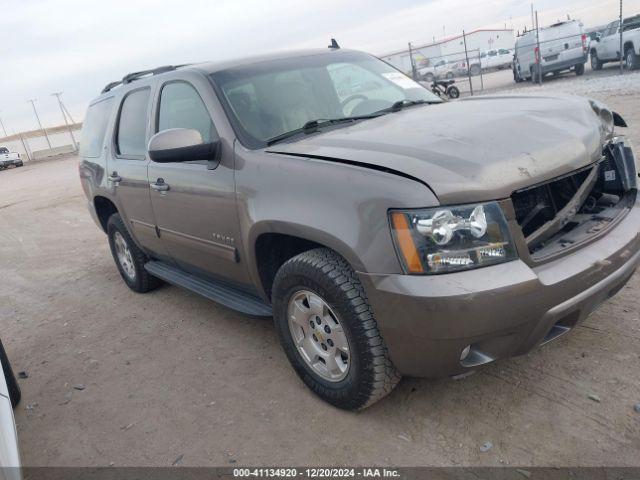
{"x": 196, "y": 214}
{"x": 127, "y": 168}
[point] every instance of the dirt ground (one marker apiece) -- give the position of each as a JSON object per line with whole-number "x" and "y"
{"x": 168, "y": 377}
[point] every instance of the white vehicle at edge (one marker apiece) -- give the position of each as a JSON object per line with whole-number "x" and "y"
{"x": 563, "y": 46}
{"x": 8, "y": 158}
{"x": 606, "y": 47}
{"x": 9, "y": 454}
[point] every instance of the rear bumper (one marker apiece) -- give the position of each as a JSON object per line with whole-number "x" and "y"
{"x": 8, "y": 163}
{"x": 503, "y": 310}
{"x": 563, "y": 64}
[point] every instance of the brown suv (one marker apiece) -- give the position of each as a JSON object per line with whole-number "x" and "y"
{"x": 387, "y": 232}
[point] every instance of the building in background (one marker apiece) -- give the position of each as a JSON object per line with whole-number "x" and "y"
{"x": 452, "y": 49}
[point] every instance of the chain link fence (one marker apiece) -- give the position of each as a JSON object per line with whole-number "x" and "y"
{"x": 463, "y": 59}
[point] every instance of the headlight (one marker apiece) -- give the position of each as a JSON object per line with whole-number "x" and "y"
{"x": 605, "y": 115}
{"x": 449, "y": 239}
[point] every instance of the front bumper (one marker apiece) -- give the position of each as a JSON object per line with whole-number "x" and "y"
{"x": 503, "y": 310}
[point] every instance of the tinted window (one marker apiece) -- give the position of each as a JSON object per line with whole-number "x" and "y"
{"x": 4, "y": 150}
{"x": 182, "y": 107}
{"x": 132, "y": 126}
{"x": 94, "y": 128}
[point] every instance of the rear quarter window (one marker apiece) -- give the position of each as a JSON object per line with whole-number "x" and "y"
{"x": 94, "y": 128}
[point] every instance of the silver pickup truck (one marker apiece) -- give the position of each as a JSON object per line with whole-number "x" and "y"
{"x": 9, "y": 159}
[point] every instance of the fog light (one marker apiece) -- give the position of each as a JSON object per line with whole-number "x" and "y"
{"x": 465, "y": 352}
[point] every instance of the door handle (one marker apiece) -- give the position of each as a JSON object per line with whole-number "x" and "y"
{"x": 159, "y": 185}
{"x": 114, "y": 177}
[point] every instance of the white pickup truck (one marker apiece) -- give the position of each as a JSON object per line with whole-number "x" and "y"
{"x": 606, "y": 47}
{"x": 9, "y": 159}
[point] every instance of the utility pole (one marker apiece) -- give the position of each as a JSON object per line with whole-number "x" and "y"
{"x": 33, "y": 104}
{"x": 533, "y": 24}
{"x": 3, "y": 129}
{"x": 621, "y": 52}
{"x": 64, "y": 115}
{"x": 414, "y": 72}
{"x": 539, "y": 56}
{"x": 466, "y": 57}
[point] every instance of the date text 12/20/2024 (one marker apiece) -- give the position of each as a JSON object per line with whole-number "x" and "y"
{"x": 316, "y": 472}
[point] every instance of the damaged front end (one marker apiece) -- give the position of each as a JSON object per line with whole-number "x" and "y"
{"x": 563, "y": 214}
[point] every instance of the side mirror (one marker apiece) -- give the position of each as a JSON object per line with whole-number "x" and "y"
{"x": 183, "y": 145}
{"x": 598, "y": 36}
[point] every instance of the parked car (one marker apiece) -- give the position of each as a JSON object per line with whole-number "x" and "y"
{"x": 9, "y": 159}
{"x": 495, "y": 59}
{"x": 387, "y": 232}
{"x": 440, "y": 69}
{"x": 562, "y": 46}
{"x": 606, "y": 47}
{"x": 9, "y": 398}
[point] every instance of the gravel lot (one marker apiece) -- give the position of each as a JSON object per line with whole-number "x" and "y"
{"x": 168, "y": 377}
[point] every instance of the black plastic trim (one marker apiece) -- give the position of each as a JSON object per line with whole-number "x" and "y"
{"x": 218, "y": 292}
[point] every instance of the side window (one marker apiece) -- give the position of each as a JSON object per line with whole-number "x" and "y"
{"x": 182, "y": 107}
{"x": 132, "y": 124}
{"x": 94, "y": 128}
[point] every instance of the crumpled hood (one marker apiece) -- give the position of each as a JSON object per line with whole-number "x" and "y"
{"x": 480, "y": 148}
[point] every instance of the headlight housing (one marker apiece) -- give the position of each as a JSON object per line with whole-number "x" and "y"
{"x": 450, "y": 239}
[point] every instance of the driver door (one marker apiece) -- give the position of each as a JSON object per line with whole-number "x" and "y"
{"x": 195, "y": 206}
{"x": 610, "y": 43}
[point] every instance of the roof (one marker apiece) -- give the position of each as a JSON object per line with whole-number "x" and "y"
{"x": 211, "y": 67}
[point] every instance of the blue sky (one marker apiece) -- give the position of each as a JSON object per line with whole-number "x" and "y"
{"x": 77, "y": 46}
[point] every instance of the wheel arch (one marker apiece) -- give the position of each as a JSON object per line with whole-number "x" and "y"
{"x": 104, "y": 209}
{"x": 273, "y": 243}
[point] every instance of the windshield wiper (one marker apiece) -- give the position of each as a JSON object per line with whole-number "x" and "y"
{"x": 312, "y": 126}
{"x": 399, "y": 105}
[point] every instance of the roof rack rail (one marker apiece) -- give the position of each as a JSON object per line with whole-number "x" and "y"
{"x": 130, "y": 77}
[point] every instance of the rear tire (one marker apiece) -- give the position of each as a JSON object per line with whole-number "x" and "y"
{"x": 596, "y": 64}
{"x": 323, "y": 274}
{"x": 632, "y": 61}
{"x": 12, "y": 384}
{"x": 580, "y": 69}
{"x": 453, "y": 92}
{"x": 474, "y": 70}
{"x": 129, "y": 259}
{"x": 429, "y": 77}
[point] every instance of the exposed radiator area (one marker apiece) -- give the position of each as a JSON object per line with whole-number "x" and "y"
{"x": 567, "y": 210}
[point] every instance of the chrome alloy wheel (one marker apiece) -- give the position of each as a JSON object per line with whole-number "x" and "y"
{"x": 318, "y": 335}
{"x": 124, "y": 255}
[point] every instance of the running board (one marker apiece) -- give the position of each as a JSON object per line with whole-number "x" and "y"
{"x": 218, "y": 292}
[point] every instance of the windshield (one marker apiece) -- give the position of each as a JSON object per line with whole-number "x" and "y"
{"x": 267, "y": 99}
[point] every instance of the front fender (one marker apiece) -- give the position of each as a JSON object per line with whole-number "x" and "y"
{"x": 341, "y": 206}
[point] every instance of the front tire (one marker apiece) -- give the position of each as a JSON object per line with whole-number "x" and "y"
{"x": 579, "y": 69}
{"x": 596, "y": 64}
{"x": 12, "y": 384}
{"x": 632, "y": 61}
{"x": 317, "y": 296}
{"x": 129, "y": 259}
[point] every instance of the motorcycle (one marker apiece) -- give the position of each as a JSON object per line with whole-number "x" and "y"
{"x": 445, "y": 88}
